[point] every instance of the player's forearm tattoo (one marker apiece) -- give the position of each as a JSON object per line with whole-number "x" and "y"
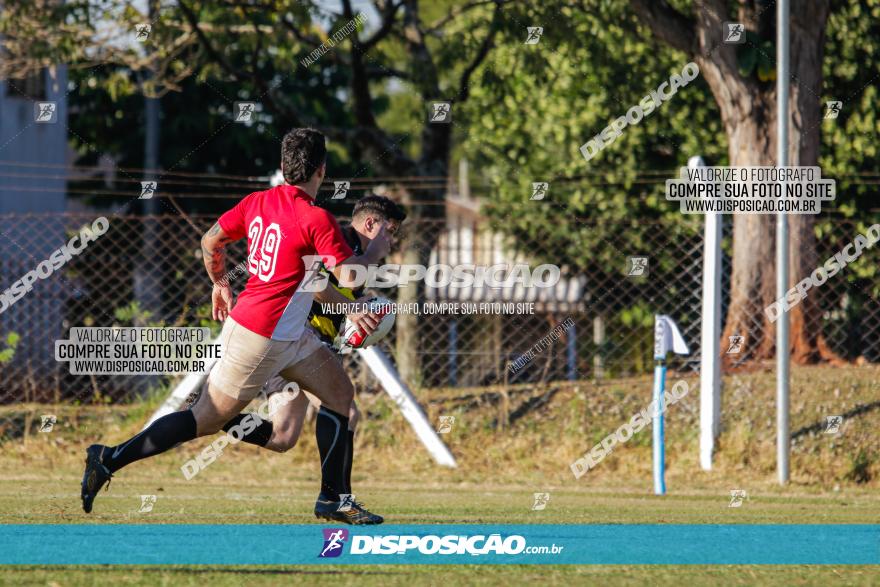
{"x": 214, "y": 253}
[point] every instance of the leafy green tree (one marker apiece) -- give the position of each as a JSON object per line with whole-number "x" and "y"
{"x": 300, "y": 63}
{"x": 597, "y": 59}
{"x": 9, "y": 346}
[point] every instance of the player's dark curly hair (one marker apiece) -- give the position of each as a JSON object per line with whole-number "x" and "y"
{"x": 380, "y": 206}
{"x": 303, "y": 151}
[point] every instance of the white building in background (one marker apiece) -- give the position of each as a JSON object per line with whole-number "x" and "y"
{"x": 33, "y": 154}
{"x": 468, "y": 238}
{"x": 33, "y": 172}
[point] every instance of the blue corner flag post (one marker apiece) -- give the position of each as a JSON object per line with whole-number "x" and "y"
{"x": 666, "y": 338}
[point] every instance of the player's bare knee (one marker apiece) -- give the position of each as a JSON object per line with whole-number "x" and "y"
{"x": 284, "y": 443}
{"x": 208, "y": 420}
{"x": 207, "y": 428}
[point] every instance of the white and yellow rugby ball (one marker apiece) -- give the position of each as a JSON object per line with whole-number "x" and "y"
{"x": 352, "y": 337}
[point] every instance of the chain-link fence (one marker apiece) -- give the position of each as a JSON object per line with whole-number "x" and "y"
{"x": 591, "y": 325}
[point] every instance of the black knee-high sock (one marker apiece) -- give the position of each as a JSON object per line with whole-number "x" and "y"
{"x": 166, "y": 432}
{"x": 349, "y": 458}
{"x": 259, "y": 435}
{"x": 331, "y": 432}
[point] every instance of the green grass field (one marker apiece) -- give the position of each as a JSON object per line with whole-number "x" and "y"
{"x": 501, "y": 466}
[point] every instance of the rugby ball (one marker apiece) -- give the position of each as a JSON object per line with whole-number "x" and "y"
{"x": 352, "y": 337}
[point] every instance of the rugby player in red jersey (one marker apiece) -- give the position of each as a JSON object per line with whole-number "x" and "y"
{"x": 265, "y": 333}
{"x": 372, "y": 216}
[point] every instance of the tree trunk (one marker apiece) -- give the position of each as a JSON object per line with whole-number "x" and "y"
{"x": 422, "y": 235}
{"x": 754, "y": 237}
{"x": 748, "y": 111}
{"x": 423, "y": 225}
{"x": 808, "y": 345}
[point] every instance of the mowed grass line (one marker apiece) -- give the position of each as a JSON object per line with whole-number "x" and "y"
{"x": 223, "y": 496}
{"x": 499, "y": 471}
{"x": 246, "y": 486}
{"x": 443, "y": 575}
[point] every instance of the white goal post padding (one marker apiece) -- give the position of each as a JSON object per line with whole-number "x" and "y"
{"x": 710, "y": 334}
{"x": 387, "y": 375}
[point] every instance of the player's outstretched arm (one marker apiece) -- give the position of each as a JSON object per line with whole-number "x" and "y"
{"x": 214, "y": 255}
{"x": 378, "y": 248}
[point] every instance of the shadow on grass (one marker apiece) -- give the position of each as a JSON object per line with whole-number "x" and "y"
{"x": 820, "y": 426}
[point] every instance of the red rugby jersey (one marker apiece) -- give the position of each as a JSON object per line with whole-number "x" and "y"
{"x": 282, "y": 225}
